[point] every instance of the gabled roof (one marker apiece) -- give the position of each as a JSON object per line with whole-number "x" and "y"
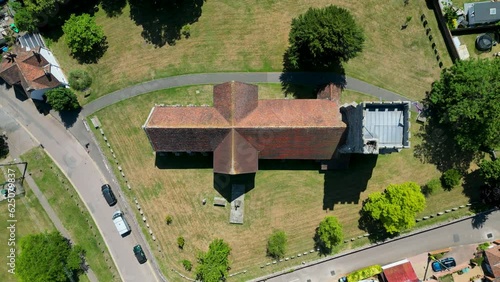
{"x": 401, "y": 271}
{"x": 493, "y": 255}
{"x": 28, "y": 69}
{"x": 240, "y": 129}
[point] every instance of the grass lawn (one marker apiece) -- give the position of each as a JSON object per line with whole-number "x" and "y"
{"x": 72, "y": 212}
{"x": 294, "y": 201}
{"x": 31, "y": 219}
{"x": 470, "y": 42}
{"x": 251, "y": 35}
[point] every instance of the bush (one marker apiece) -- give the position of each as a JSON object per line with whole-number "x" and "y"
{"x": 484, "y": 246}
{"x": 79, "y": 80}
{"x": 450, "y": 179}
{"x": 186, "y": 31}
{"x": 364, "y": 273}
{"x": 187, "y": 264}
{"x": 168, "y": 219}
{"x": 431, "y": 187}
{"x": 478, "y": 261}
{"x": 180, "y": 242}
{"x": 276, "y": 245}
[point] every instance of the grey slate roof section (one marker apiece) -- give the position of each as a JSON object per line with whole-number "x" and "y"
{"x": 376, "y": 127}
{"x": 31, "y": 41}
{"x": 483, "y": 13}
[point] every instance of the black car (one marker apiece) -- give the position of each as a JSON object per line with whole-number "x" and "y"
{"x": 139, "y": 254}
{"x": 108, "y": 194}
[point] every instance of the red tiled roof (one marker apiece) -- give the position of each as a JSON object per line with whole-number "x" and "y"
{"x": 240, "y": 129}
{"x": 401, "y": 273}
{"x": 493, "y": 256}
{"x": 29, "y": 69}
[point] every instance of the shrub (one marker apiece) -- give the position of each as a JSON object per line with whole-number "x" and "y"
{"x": 187, "y": 264}
{"x": 186, "y": 31}
{"x": 180, "y": 242}
{"x": 450, "y": 179}
{"x": 168, "y": 219}
{"x": 79, "y": 80}
{"x": 432, "y": 186}
{"x": 276, "y": 245}
{"x": 364, "y": 273}
{"x": 484, "y": 246}
{"x": 478, "y": 261}
{"x": 62, "y": 99}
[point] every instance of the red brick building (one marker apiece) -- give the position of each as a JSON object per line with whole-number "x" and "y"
{"x": 240, "y": 129}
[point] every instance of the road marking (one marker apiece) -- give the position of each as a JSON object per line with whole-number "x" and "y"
{"x": 86, "y": 125}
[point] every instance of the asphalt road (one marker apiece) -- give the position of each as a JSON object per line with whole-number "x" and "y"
{"x": 87, "y": 178}
{"x": 461, "y": 232}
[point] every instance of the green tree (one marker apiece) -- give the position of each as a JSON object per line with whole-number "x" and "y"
{"x": 321, "y": 38}
{"x": 187, "y": 264}
{"x": 62, "y": 99}
{"x": 213, "y": 265}
{"x": 4, "y": 146}
{"x": 79, "y": 80}
{"x": 168, "y": 219}
{"x": 48, "y": 257}
{"x": 276, "y": 244}
{"x": 180, "y": 242}
{"x": 32, "y": 14}
{"x": 490, "y": 171}
{"x": 432, "y": 186}
{"x": 466, "y": 103}
{"x": 83, "y": 36}
{"x": 450, "y": 179}
{"x": 330, "y": 232}
{"x": 396, "y": 207}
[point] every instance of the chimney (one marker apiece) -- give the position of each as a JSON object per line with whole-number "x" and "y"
{"x": 37, "y": 56}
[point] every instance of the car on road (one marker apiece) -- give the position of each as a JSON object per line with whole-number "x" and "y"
{"x": 443, "y": 264}
{"x": 121, "y": 224}
{"x": 108, "y": 195}
{"x": 139, "y": 254}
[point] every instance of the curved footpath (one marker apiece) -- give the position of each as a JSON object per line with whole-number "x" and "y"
{"x": 248, "y": 77}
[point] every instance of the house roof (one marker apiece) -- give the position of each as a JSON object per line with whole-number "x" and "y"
{"x": 29, "y": 69}
{"x": 493, "y": 256}
{"x": 401, "y": 271}
{"x": 240, "y": 129}
{"x": 484, "y": 12}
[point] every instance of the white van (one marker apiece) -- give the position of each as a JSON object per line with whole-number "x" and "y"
{"x": 121, "y": 224}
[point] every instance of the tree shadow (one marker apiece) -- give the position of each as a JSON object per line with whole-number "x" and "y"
{"x": 304, "y": 81}
{"x": 439, "y": 149}
{"x": 18, "y": 92}
{"x": 42, "y": 107}
{"x": 113, "y": 8}
{"x": 345, "y": 186}
{"x": 69, "y": 117}
{"x": 479, "y": 219}
{"x": 93, "y": 57}
{"x": 162, "y": 20}
{"x": 223, "y": 183}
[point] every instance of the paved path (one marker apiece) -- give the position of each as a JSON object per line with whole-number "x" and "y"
{"x": 461, "y": 232}
{"x": 87, "y": 178}
{"x": 248, "y": 77}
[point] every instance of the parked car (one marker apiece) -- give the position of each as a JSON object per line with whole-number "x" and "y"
{"x": 443, "y": 264}
{"x": 108, "y": 195}
{"x": 121, "y": 224}
{"x": 139, "y": 254}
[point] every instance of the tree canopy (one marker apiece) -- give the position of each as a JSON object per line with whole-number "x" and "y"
{"x": 213, "y": 265}
{"x": 466, "y": 103}
{"x": 48, "y": 257}
{"x": 330, "y": 232}
{"x": 4, "y": 146}
{"x": 32, "y": 14}
{"x": 62, "y": 99}
{"x": 396, "y": 207}
{"x": 84, "y": 37}
{"x": 276, "y": 245}
{"x": 490, "y": 171}
{"x": 322, "y": 38}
